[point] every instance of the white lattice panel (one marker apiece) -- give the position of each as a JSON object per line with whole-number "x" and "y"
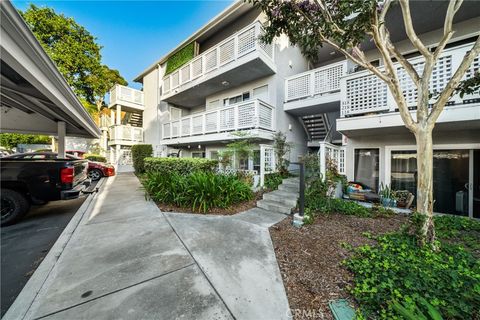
{"x": 269, "y": 159}
{"x": 166, "y": 84}
{"x": 166, "y": 130}
{"x": 227, "y": 51}
{"x": 185, "y": 124}
{"x": 246, "y": 41}
{"x": 211, "y": 122}
{"x": 175, "y": 79}
{"x": 197, "y": 67}
{"x": 341, "y": 161}
{"x": 265, "y": 115}
{"x": 327, "y": 80}
{"x": 227, "y": 119}
{"x": 298, "y": 87}
{"x": 185, "y": 71}
{"x": 175, "y": 129}
{"x": 113, "y": 94}
{"x": 197, "y": 124}
{"x": 211, "y": 60}
{"x": 246, "y": 115}
{"x": 365, "y": 94}
{"x": 441, "y": 74}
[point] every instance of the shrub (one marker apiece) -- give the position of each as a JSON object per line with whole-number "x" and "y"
{"x": 94, "y": 157}
{"x": 139, "y": 153}
{"x": 181, "y": 166}
{"x": 397, "y": 269}
{"x": 201, "y": 191}
{"x": 273, "y": 180}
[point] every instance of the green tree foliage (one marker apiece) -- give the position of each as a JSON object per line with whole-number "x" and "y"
{"x": 76, "y": 53}
{"x": 10, "y": 140}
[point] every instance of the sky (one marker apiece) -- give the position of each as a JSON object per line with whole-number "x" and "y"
{"x": 135, "y": 34}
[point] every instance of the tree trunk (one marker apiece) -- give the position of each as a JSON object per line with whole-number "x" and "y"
{"x": 423, "y": 137}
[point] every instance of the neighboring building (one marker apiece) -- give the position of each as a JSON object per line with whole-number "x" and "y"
{"x": 124, "y": 126}
{"x": 234, "y": 82}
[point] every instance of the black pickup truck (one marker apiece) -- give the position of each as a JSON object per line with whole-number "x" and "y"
{"x": 31, "y": 180}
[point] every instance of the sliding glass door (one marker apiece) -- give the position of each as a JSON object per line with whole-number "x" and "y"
{"x": 453, "y": 173}
{"x": 367, "y": 163}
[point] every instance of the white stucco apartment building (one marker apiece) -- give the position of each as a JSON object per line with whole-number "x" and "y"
{"x": 234, "y": 82}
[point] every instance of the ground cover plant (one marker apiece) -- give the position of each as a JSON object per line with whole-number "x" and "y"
{"x": 200, "y": 191}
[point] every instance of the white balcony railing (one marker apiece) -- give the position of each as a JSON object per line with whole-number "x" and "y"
{"x": 363, "y": 92}
{"x": 120, "y": 94}
{"x": 253, "y": 114}
{"x": 229, "y": 50}
{"x": 126, "y": 133}
{"x": 315, "y": 82}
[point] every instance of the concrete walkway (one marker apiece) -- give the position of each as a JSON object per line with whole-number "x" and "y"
{"x": 128, "y": 260}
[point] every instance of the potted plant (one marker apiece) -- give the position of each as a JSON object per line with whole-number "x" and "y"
{"x": 387, "y": 196}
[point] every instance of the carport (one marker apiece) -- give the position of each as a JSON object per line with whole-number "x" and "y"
{"x": 35, "y": 98}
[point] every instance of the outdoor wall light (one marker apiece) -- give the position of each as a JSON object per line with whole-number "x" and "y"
{"x": 199, "y": 147}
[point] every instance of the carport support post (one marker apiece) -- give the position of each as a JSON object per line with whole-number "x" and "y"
{"x": 61, "y": 130}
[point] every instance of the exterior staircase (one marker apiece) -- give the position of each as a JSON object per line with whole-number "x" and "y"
{"x": 282, "y": 200}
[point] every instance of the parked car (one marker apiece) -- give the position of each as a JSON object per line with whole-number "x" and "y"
{"x": 97, "y": 170}
{"x": 33, "y": 178}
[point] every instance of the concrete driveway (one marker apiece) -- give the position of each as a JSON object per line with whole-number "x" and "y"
{"x": 128, "y": 260}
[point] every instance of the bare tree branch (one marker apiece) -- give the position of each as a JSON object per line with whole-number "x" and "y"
{"x": 328, "y": 17}
{"x": 407, "y": 20}
{"x": 439, "y": 105}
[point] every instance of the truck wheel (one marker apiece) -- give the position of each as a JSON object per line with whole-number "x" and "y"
{"x": 14, "y": 206}
{"x": 95, "y": 174}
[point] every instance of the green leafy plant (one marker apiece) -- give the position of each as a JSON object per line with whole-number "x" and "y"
{"x": 180, "y": 166}
{"x": 281, "y": 148}
{"x": 225, "y": 158}
{"x": 397, "y": 269}
{"x": 94, "y": 157}
{"x": 273, "y": 180}
{"x": 242, "y": 147}
{"x": 180, "y": 58}
{"x": 415, "y": 312}
{"x": 200, "y": 191}
{"x": 11, "y": 140}
{"x": 139, "y": 153}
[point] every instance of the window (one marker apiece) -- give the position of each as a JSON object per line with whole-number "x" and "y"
{"x": 213, "y": 104}
{"x": 198, "y": 154}
{"x": 236, "y": 99}
{"x": 261, "y": 93}
{"x": 175, "y": 113}
{"x": 256, "y": 160}
{"x": 214, "y": 155}
{"x": 450, "y": 178}
{"x": 366, "y": 167}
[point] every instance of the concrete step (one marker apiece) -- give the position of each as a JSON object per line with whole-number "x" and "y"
{"x": 289, "y": 188}
{"x": 274, "y": 206}
{"x": 287, "y": 198}
{"x": 291, "y": 181}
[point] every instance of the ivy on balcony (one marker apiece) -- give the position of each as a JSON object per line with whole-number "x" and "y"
{"x": 180, "y": 58}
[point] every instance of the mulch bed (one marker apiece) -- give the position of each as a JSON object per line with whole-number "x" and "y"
{"x": 310, "y": 258}
{"x": 240, "y": 207}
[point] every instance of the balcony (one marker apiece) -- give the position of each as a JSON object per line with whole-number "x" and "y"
{"x": 305, "y": 92}
{"x": 367, "y": 102}
{"x": 130, "y": 99}
{"x": 238, "y": 59}
{"x": 217, "y": 125}
{"x": 125, "y": 135}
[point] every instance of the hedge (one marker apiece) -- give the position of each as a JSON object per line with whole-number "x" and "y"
{"x": 139, "y": 153}
{"x": 180, "y": 166}
{"x": 180, "y": 58}
{"x": 94, "y": 157}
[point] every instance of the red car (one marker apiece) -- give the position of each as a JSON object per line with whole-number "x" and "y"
{"x": 96, "y": 170}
